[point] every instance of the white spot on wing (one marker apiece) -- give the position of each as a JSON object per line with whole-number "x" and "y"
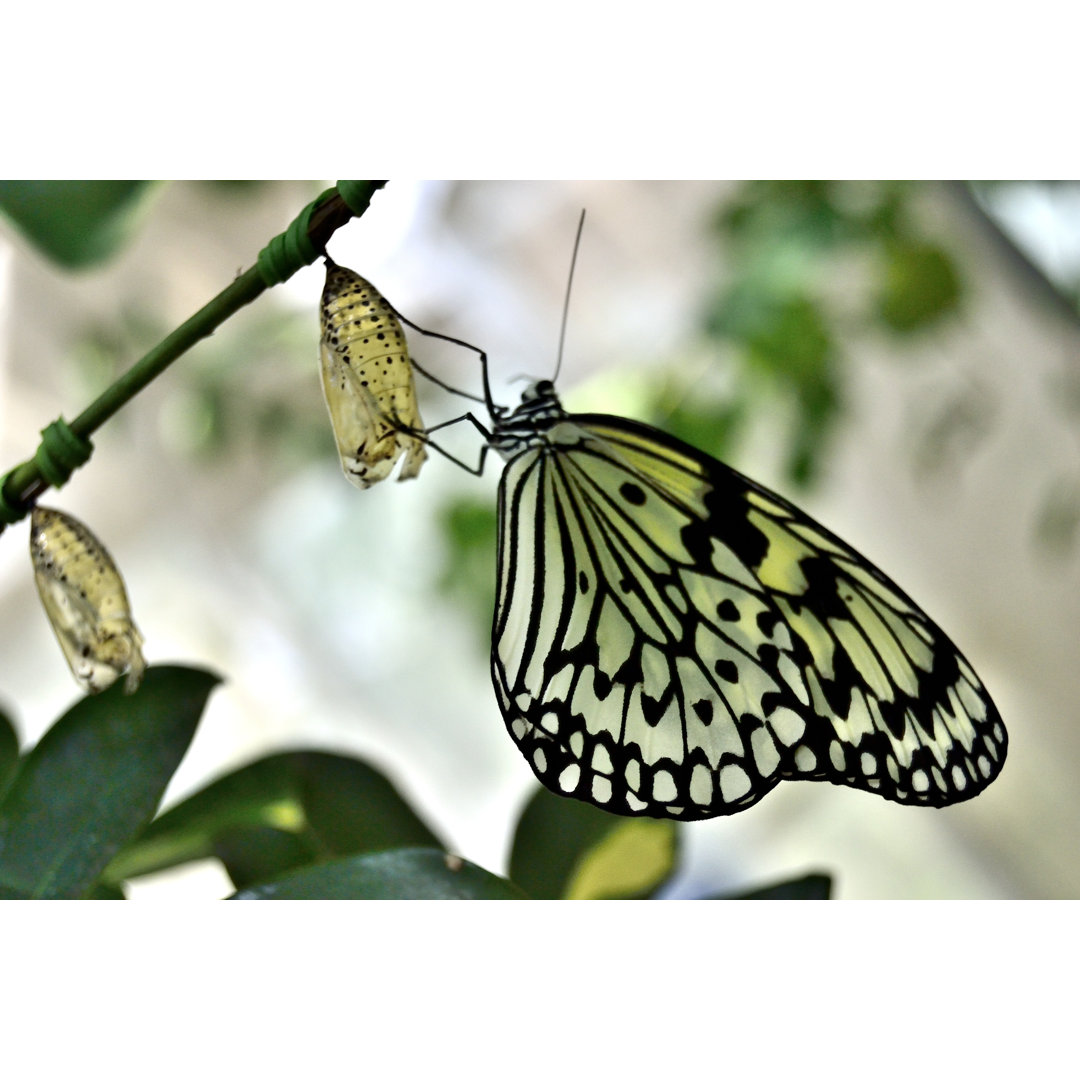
{"x": 786, "y": 725}
{"x": 663, "y": 786}
{"x": 734, "y": 783}
{"x": 766, "y": 756}
{"x": 701, "y": 788}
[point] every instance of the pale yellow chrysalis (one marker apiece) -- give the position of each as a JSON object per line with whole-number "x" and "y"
{"x": 85, "y": 600}
{"x": 367, "y": 380}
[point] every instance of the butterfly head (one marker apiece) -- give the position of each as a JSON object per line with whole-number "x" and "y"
{"x": 525, "y": 426}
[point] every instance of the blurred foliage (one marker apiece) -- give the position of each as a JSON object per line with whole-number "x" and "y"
{"x": 568, "y": 848}
{"x": 9, "y": 752}
{"x": 467, "y": 577}
{"x": 75, "y": 223}
{"x": 811, "y": 264}
{"x": 75, "y": 820}
{"x": 103, "y": 350}
{"x": 919, "y": 286}
{"x": 406, "y": 874}
{"x": 276, "y": 814}
{"x": 253, "y": 387}
{"x": 809, "y": 887}
{"x": 247, "y": 389}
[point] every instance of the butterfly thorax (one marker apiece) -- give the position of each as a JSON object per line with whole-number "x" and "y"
{"x": 528, "y": 425}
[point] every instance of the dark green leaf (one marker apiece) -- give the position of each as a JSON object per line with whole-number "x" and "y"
{"x": 9, "y": 752}
{"x": 252, "y": 854}
{"x": 404, "y": 874}
{"x": 95, "y": 779}
{"x": 569, "y": 848}
{"x": 809, "y": 887}
{"x": 74, "y": 222}
{"x": 102, "y": 891}
{"x": 333, "y": 805}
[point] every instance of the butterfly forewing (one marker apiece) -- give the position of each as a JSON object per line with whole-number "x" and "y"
{"x": 672, "y": 639}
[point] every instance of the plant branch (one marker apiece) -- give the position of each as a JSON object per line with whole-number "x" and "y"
{"x": 24, "y": 484}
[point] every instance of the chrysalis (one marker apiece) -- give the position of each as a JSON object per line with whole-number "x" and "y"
{"x": 86, "y": 602}
{"x": 367, "y": 380}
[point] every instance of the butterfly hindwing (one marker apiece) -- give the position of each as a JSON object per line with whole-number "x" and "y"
{"x": 672, "y": 639}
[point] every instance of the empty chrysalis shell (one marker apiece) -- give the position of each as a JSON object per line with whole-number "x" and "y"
{"x": 368, "y": 380}
{"x": 86, "y": 602}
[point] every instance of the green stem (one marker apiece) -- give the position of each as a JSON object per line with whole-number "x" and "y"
{"x": 24, "y": 484}
{"x": 202, "y": 324}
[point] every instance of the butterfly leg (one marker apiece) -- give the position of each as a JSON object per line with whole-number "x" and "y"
{"x": 424, "y": 436}
{"x": 487, "y": 398}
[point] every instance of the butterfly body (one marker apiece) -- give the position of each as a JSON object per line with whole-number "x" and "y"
{"x": 672, "y": 639}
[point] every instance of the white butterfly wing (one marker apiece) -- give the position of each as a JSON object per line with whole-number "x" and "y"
{"x": 672, "y": 639}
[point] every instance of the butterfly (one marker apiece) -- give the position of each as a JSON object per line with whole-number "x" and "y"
{"x": 367, "y": 380}
{"x": 85, "y": 600}
{"x": 672, "y": 639}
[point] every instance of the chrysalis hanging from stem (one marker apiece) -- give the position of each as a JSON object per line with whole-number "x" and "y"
{"x": 85, "y": 600}
{"x": 367, "y": 380}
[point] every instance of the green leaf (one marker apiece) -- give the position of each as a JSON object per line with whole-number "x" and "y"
{"x": 795, "y": 346}
{"x": 74, "y": 222}
{"x": 103, "y": 891}
{"x": 404, "y": 874}
{"x": 94, "y": 780}
{"x": 332, "y": 805}
{"x": 919, "y": 286}
{"x": 566, "y": 848}
{"x": 255, "y": 853}
{"x": 9, "y": 752}
{"x": 809, "y": 887}
{"x": 804, "y": 212}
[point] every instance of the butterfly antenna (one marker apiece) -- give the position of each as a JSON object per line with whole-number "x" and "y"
{"x": 566, "y": 301}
